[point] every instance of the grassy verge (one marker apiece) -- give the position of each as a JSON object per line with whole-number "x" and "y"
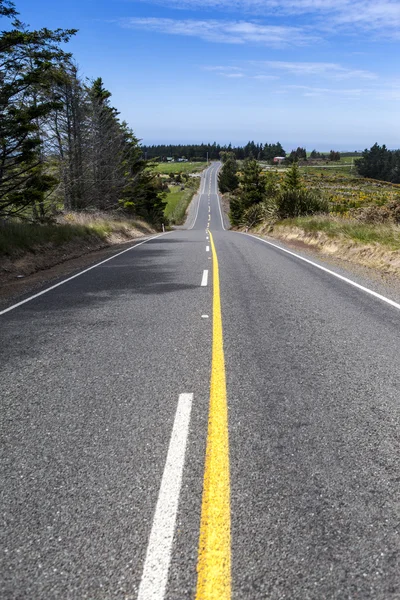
{"x": 17, "y": 237}
{"x": 335, "y": 227}
{"x": 177, "y": 202}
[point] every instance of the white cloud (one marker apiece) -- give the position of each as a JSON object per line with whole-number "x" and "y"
{"x": 319, "y": 69}
{"x": 307, "y": 90}
{"x": 379, "y": 16}
{"x": 306, "y": 72}
{"x": 238, "y": 72}
{"x": 227, "y": 32}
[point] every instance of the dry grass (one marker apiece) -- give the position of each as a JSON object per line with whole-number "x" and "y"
{"x": 17, "y": 237}
{"x": 376, "y": 246}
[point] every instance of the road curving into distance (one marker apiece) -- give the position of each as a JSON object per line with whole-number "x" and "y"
{"x": 202, "y": 416}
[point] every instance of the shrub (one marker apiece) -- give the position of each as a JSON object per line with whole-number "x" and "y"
{"x": 300, "y": 202}
{"x": 264, "y": 211}
{"x": 389, "y": 212}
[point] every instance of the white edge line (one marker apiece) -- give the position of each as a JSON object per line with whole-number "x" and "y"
{"x": 207, "y": 248}
{"x": 53, "y": 287}
{"x": 204, "y": 279}
{"x": 199, "y": 197}
{"x": 197, "y": 212}
{"x": 218, "y": 198}
{"x": 310, "y": 262}
{"x": 155, "y": 572}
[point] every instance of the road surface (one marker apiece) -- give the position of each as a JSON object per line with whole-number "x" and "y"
{"x": 108, "y": 414}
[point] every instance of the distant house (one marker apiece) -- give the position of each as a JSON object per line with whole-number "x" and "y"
{"x": 279, "y": 159}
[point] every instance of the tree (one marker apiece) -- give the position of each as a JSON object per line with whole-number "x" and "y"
{"x": 252, "y": 183}
{"x": 252, "y": 190}
{"x": 380, "y": 163}
{"x": 314, "y": 154}
{"x": 143, "y": 194}
{"x": 298, "y": 154}
{"x": 270, "y": 151}
{"x": 29, "y": 64}
{"x": 293, "y": 180}
{"x": 294, "y": 200}
{"x": 334, "y": 156}
{"x": 228, "y": 180}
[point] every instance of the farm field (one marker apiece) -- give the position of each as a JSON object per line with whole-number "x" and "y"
{"x": 189, "y": 167}
{"x": 347, "y": 191}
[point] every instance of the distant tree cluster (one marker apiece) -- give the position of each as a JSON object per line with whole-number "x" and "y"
{"x": 62, "y": 142}
{"x": 334, "y": 156}
{"x": 199, "y": 152}
{"x": 317, "y": 155}
{"x": 296, "y": 155}
{"x": 380, "y": 163}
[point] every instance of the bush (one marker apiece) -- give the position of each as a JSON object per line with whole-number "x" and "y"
{"x": 252, "y": 216}
{"x": 300, "y": 202}
{"x": 264, "y": 211}
{"x": 388, "y": 213}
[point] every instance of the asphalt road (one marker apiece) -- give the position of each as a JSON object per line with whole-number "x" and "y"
{"x": 92, "y": 374}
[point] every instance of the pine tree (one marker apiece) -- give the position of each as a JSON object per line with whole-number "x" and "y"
{"x": 293, "y": 180}
{"x": 228, "y": 180}
{"x": 252, "y": 184}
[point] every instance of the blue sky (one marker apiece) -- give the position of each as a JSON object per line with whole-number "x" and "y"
{"x": 317, "y": 73}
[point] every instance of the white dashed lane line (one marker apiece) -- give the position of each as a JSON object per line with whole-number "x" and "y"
{"x": 204, "y": 280}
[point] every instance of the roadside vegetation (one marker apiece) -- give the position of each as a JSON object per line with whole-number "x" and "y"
{"x": 181, "y": 187}
{"x": 66, "y": 152}
{"x": 17, "y": 237}
{"x": 336, "y": 227}
{"x": 333, "y": 209}
{"x": 64, "y": 149}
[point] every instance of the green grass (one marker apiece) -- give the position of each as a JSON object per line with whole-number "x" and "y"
{"x": 386, "y": 235}
{"x": 189, "y": 167}
{"x": 177, "y": 202}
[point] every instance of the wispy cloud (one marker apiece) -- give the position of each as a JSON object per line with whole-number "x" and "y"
{"x": 319, "y": 69}
{"x": 305, "y": 71}
{"x": 378, "y": 16}
{"x": 309, "y": 91}
{"x": 225, "y": 32}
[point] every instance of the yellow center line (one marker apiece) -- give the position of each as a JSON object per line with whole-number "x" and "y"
{"x": 214, "y": 562}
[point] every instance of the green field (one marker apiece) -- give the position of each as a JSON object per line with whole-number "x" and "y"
{"x": 189, "y": 167}
{"x": 177, "y": 202}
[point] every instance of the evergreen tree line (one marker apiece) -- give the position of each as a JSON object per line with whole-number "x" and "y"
{"x": 199, "y": 152}
{"x": 380, "y": 163}
{"x": 264, "y": 152}
{"x": 62, "y": 142}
